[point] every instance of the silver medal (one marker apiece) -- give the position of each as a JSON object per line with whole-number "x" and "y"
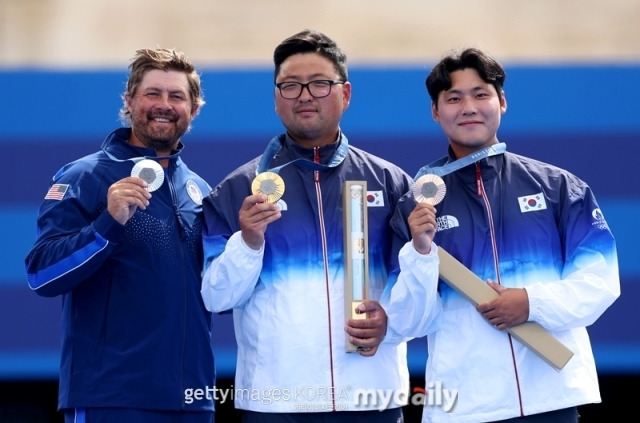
{"x": 151, "y": 172}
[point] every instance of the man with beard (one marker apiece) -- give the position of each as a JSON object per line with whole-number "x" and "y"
{"x": 119, "y": 239}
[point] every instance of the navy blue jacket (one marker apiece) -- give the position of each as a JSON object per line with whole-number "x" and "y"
{"x": 135, "y": 332}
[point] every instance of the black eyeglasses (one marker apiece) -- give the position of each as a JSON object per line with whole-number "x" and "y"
{"x": 318, "y": 89}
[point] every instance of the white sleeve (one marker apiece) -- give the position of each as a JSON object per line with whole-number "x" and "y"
{"x": 413, "y": 304}
{"x": 230, "y": 278}
{"x": 577, "y": 300}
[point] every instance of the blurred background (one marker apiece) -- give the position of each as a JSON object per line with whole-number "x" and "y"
{"x": 573, "y": 79}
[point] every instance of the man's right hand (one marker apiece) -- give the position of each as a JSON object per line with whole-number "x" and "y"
{"x": 255, "y": 215}
{"x": 126, "y": 196}
{"x": 422, "y": 224}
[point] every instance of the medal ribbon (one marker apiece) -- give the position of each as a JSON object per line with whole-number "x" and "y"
{"x": 138, "y": 159}
{"x": 492, "y": 150}
{"x": 153, "y": 183}
{"x": 274, "y": 146}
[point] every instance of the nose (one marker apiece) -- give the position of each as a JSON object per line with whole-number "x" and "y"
{"x": 164, "y": 102}
{"x": 305, "y": 95}
{"x": 468, "y": 106}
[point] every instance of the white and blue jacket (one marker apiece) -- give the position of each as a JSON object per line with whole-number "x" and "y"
{"x": 288, "y": 299}
{"x": 524, "y": 224}
{"x": 135, "y": 332}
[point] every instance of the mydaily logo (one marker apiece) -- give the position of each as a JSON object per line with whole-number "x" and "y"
{"x": 433, "y": 395}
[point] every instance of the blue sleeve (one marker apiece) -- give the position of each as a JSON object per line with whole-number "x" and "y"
{"x": 75, "y": 235}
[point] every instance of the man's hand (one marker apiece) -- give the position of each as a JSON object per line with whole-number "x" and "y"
{"x": 422, "y": 224}
{"x": 255, "y": 215}
{"x": 368, "y": 333}
{"x": 126, "y": 196}
{"x": 510, "y": 308}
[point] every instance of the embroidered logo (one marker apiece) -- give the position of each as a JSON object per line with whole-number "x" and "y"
{"x": 375, "y": 199}
{"x": 533, "y": 202}
{"x": 282, "y": 204}
{"x": 598, "y": 219}
{"x": 194, "y": 192}
{"x": 447, "y": 222}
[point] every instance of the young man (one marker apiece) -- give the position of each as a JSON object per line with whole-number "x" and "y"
{"x": 279, "y": 262}
{"x": 119, "y": 238}
{"x": 533, "y": 231}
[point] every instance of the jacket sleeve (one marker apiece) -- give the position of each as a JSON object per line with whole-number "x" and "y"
{"x": 590, "y": 280}
{"x": 231, "y": 268}
{"x": 413, "y": 303}
{"x": 230, "y": 278}
{"x": 73, "y": 241}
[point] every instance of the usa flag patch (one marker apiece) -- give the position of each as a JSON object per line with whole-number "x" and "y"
{"x": 56, "y": 192}
{"x": 533, "y": 202}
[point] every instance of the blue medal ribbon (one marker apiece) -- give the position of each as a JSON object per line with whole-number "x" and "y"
{"x": 140, "y": 158}
{"x": 275, "y": 145}
{"x": 445, "y": 169}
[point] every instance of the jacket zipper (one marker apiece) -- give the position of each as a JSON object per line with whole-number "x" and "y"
{"x": 323, "y": 238}
{"x": 182, "y": 236}
{"x": 480, "y": 192}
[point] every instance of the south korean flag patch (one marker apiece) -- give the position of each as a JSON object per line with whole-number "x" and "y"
{"x": 375, "y": 199}
{"x": 529, "y": 203}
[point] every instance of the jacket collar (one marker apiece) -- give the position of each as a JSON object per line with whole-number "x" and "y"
{"x": 117, "y": 145}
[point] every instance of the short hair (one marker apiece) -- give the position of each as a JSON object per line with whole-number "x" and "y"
{"x": 439, "y": 79}
{"x": 166, "y": 60}
{"x": 310, "y": 41}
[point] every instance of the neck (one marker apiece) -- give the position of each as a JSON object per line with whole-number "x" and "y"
{"x": 461, "y": 150}
{"x": 133, "y": 140}
{"x": 314, "y": 142}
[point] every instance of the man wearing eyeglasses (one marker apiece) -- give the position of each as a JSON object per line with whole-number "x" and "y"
{"x": 276, "y": 257}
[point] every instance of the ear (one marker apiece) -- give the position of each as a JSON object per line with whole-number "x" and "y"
{"x": 127, "y": 102}
{"x": 434, "y": 112}
{"x": 503, "y": 103}
{"x": 275, "y": 100}
{"x": 346, "y": 95}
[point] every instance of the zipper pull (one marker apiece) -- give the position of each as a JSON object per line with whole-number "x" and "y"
{"x": 316, "y": 159}
{"x": 478, "y": 180}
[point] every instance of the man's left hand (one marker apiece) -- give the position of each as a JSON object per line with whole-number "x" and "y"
{"x": 368, "y": 333}
{"x": 510, "y": 308}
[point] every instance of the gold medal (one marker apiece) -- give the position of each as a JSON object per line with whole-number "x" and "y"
{"x": 429, "y": 189}
{"x": 151, "y": 172}
{"x": 269, "y": 184}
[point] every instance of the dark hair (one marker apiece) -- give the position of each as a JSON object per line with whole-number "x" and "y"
{"x": 166, "y": 60}
{"x": 488, "y": 68}
{"x": 309, "y": 41}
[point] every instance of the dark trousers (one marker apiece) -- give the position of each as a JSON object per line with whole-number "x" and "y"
{"x": 129, "y": 415}
{"x": 387, "y": 416}
{"x": 565, "y": 415}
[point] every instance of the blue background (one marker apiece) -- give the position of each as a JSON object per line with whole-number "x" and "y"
{"x": 583, "y": 118}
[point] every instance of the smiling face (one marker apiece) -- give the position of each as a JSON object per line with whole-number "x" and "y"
{"x": 311, "y": 121}
{"x": 469, "y": 112}
{"x": 161, "y": 110}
